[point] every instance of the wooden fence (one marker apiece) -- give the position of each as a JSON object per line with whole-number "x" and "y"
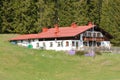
{"x": 115, "y": 50}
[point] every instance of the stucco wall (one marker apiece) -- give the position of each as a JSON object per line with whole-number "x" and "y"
{"x": 55, "y": 46}
{"x": 36, "y": 44}
{"x": 46, "y": 44}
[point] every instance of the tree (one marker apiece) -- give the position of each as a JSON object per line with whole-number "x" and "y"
{"x": 6, "y": 15}
{"x": 29, "y": 16}
{"x": 110, "y": 19}
{"x": 71, "y": 11}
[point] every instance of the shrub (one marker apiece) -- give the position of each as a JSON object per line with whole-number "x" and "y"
{"x": 97, "y": 52}
{"x": 80, "y": 53}
{"x": 88, "y": 53}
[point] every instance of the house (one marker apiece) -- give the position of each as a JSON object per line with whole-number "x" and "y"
{"x": 73, "y": 37}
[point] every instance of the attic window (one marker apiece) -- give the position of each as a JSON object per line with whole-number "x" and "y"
{"x": 94, "y": 34}
{"x": 98, "y": 34}
{"x": 89, "y": 34}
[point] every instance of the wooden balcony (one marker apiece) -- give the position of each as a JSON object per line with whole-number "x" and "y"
{"x": 93, "y": 39}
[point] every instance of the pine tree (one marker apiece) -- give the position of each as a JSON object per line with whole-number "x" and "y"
{"x": 29, "y": 16}
{"x": 6, "y": 15}
{"x": 110, "y": 19}
{"x": 71, "y": 11}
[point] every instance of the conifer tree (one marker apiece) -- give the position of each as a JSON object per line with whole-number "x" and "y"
{"x": 29, "y": 16}
{"x": 110, "y": 19}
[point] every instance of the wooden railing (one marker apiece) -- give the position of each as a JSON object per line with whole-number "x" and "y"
{"x": 93, "y": 39}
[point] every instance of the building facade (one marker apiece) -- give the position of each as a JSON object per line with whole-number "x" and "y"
{"x": 66, "y": 38}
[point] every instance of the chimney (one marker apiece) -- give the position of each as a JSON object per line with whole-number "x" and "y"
{"x": 44, "y": 29}
{"x": 73, "y": 25}
{"x": 90, "y": 24}
{"x": 56, "y": 28}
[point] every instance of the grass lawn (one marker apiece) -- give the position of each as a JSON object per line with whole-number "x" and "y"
{"x": 19, "y": 63}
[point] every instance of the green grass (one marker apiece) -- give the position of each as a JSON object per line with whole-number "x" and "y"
{"x": 19, "y": 63}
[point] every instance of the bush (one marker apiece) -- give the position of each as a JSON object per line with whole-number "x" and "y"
{"x": 98, "y": 52}
{"x": 80, "y": 53}
{"x": 88, "y": 53}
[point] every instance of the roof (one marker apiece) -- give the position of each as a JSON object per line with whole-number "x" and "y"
{"x": 56, "y": 32}
{"x": 25, "y": 36}
{"x": 63, "y": 32}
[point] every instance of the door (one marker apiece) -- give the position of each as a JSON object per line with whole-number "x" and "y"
{"x": 76, "y": 45}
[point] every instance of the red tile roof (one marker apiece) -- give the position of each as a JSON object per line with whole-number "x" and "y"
{"x": 25, "y": 36}
{"x": 52, "y": 33}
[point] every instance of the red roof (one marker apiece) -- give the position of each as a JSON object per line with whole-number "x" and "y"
{"x": 24, "y": 37}
{"x": 56, "y": 32}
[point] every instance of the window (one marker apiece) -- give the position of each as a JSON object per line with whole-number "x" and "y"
{"x": 21, "y": 41}
{"x": 94, "y": 34}
{"x": 58, "y": 44}
{"x": 98, "y": 44}
{"x": 85, "y": 43}
{"x": 90, "y": 43}
{"x": 98, "y": 35}
{"x": 33, "y": 40}
{"x": 84, "y": 34}
{"x": 73, "y": 43}
{"x": 44, "y": 44}
{"x": 76, "y": 44}
{"x": 67, "y": 43}
{"x": 62, "y": 43}
{"x": 51, "y": 44}
{"x": 37, "y": 44}
{"x": 89, "y": 34}
{"x": 29, "y": 41}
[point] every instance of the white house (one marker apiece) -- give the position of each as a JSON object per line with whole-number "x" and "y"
{"x": 73, "y": 37}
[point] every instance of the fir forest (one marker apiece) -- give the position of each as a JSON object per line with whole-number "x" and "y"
{"x": 29, "y": 16}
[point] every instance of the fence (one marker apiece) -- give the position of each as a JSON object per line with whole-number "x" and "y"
{"x": 104, "y": 49}
{"x": 115, "y": 50}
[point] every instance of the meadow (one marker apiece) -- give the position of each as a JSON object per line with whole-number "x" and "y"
{"x": 20, "y": 63}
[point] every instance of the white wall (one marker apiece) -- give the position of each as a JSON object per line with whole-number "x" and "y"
{"x": 23, "y": 43}
{"x": 62, "y": 46}
{"x": 106, "y": 44}
{"x": 27, "y": 42}
{"x": 55, "y": 45}
{"x": 39, "y": 44}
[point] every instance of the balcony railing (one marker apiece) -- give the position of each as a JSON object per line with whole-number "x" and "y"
{"x": 92, "y": 34}
{"x": 93, "y": 39}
